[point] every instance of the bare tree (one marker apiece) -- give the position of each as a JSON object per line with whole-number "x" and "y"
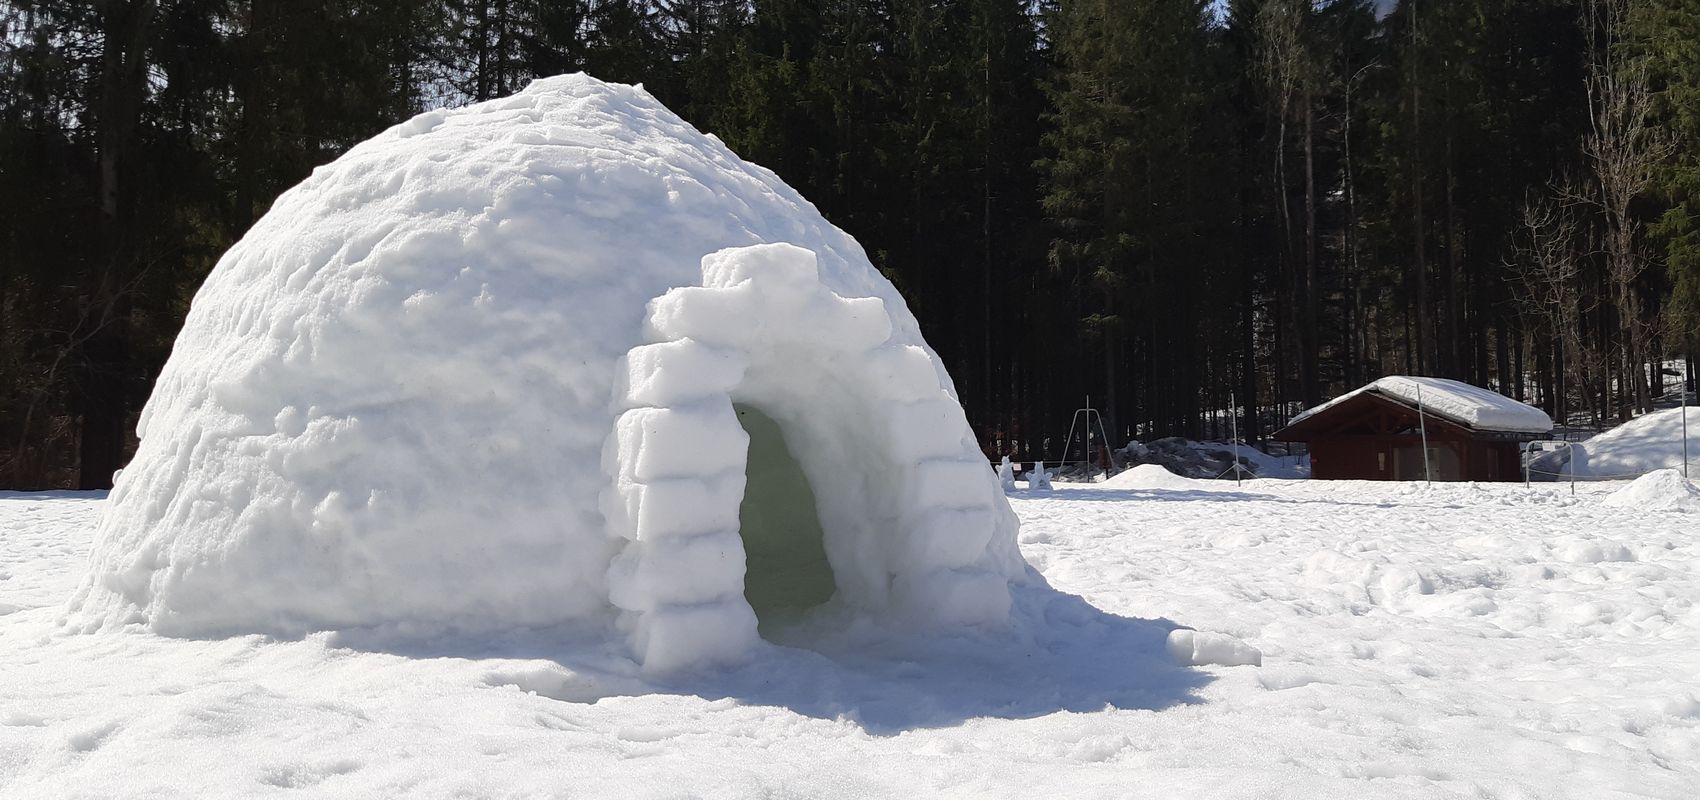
{"x": 1547, "y": 264}
{"x": 1358, "y": 348}
{"x": 1290, "y": 76}
{"x": 1624, "y": 147}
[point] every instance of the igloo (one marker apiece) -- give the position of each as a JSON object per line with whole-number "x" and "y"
{"x": 553, "y": 359}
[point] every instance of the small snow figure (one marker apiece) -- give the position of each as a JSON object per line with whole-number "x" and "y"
{"x": 1039, "y": 479}
{"x": 1006, "y": 474}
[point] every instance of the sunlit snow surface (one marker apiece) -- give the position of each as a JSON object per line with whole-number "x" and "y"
{"x": 1459, "y": 641}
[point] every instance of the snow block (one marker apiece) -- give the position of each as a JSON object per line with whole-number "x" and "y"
{"x": 783, "y": 271}
{"x": 676, "y": 372}
{"x": 723, "y": 318}
{"x": 928, "y": 429}
{"x": 846, "y": 324}
{"x": 654, "y": 444}
{"x": 951, "y": 483}
{"x": 675, "y": 638}
{"x": 948, "y": 538}
{"x": 954, "y": 597}
{"x": 1198, "y": 648}
{"x": 696, "y": 569}
{"x": 673, "y": 507}
{"x": 907, "y": 370}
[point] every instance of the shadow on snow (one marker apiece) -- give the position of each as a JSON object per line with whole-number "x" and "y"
{"x": 1059, "y": 654}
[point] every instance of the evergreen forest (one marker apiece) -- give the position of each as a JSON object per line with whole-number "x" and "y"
{"x": 1175, "y": 207}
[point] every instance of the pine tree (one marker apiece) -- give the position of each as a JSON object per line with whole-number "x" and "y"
{"x": 1672, "y": 28}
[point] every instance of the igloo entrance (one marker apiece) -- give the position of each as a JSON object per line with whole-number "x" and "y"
{"x": 774, "y": 449}
{"x": 786, "y": 571}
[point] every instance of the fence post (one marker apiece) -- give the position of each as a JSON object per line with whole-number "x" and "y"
{"x": 1422, "y": 425}
{"x": 1686, "y": 377}
{"x": 1570, "y": 450}
{"x": 1234, "y": 428}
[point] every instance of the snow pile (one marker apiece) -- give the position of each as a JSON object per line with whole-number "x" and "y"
{"x": 1208, "y": 459}
{"x": 1463, "y": 403}
{"x": 1659, "y": 490}
{"x": 542, "y": 361}
{"x": 1153, "y": 476}
{"x": 1646, "y": 443}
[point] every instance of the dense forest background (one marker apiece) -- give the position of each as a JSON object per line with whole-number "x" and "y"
{"x": 1157, "y": 203}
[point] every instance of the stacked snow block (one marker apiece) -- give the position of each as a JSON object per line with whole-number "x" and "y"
{"x": 678, "y": 477}
{"x": 676, "y": 460}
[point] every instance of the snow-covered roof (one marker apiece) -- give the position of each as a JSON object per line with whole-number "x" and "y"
{"x": 1471, "y": 406}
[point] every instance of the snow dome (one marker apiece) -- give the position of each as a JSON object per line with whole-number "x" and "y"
{"x": 557, "y": 358}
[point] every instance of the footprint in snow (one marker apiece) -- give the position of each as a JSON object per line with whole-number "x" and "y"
{"x": 298, "y": 776}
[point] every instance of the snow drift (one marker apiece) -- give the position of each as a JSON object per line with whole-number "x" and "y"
{"x": 1646, "y": 443}
{"x": 553, "y": 358}
{"x": 1659, "y": 490}
{"x": 1155, "y": 476}
{"x": 1209, "y": 460}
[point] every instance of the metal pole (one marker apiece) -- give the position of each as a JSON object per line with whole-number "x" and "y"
{"x": 1109, "y": 452}
{"x": 1069, "y": 441}
{"x": 1686, "y": 377}
{"x": 1570, "y": 450}
{"x": 1086, "y": 439}
{"x": 1234, "y": 428}
{"x": 1422, "y": 425}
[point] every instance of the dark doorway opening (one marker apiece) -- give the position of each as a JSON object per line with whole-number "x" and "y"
{"x": 786, "y": 569}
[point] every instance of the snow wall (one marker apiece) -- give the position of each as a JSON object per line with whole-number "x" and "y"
{"x": 490, "y": 370}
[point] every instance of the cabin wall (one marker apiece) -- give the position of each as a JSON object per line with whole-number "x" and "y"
{"x": 1389, "y": 458}
{"x": 1351, "y": 458}
{"x": 1496, "y": 461}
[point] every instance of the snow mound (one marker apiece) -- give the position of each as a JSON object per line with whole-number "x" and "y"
{"x": 1646, "y": 443}
{"x": 1463, "y": 403}
{"x": 1192, "y": 459}
{"x": 1153, "y": 476}
{"x": 553, "y": 358}
{"x": 1659, "y": 490}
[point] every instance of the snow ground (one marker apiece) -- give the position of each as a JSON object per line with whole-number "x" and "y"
{"x": 1453, "y": 641}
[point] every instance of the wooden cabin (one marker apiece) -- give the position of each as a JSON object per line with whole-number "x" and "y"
{"x": 1376, "y": 432}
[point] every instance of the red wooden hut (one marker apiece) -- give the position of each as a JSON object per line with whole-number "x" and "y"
{"x": 1376, "y": 432}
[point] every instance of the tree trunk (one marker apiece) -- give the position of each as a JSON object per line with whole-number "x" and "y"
{"x": 104, "y": 396}
{"x": 1355, "y": 349}
{"x": 1308, "y": 338}
{"x": 1418, "y": 229}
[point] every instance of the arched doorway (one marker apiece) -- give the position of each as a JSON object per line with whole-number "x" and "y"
{"x": 770, "y": 401}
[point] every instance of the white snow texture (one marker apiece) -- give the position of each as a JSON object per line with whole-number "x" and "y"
{"x": 479, "y": 374}
{"x": 1646, "y": 443}
{"x": 1659, "y": 490}
{"x": 1463, "y": 403}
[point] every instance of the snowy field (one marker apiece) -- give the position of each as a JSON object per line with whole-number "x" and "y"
{"x": 1459, "y": 641}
